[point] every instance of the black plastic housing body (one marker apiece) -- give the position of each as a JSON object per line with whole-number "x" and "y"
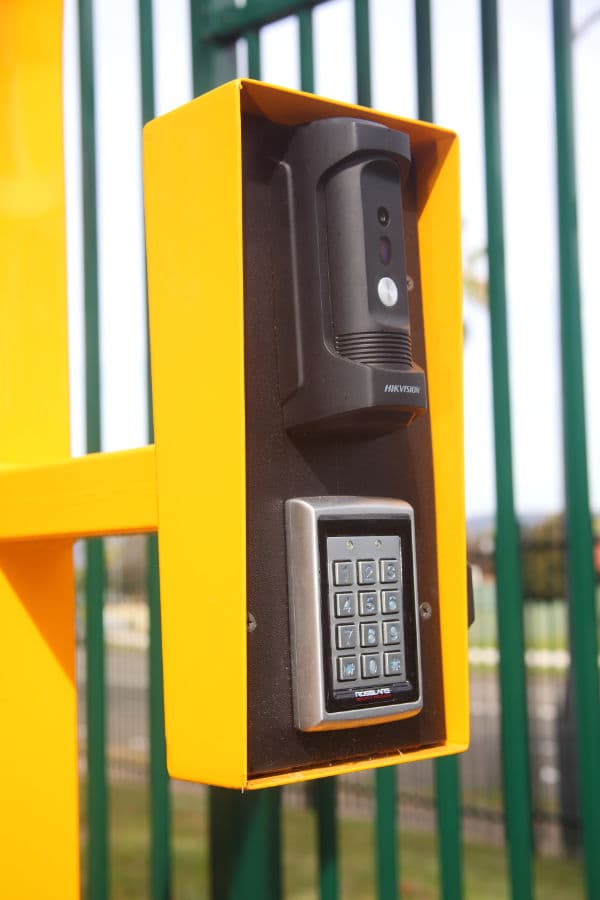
{"x": 352, "y": 449}
{"x": 345, "y": 356}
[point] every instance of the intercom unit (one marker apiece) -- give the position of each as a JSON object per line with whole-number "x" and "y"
{"x": 341, "y": 294}
{"x": 305, "y": 324}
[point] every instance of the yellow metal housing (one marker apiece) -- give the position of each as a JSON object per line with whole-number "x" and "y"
{"x": 193, "y": 196}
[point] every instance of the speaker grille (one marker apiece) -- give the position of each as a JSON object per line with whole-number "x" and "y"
{"x": 377, "y": 348}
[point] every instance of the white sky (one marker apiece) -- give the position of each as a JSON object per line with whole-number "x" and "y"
{"x": 530, "y": 204}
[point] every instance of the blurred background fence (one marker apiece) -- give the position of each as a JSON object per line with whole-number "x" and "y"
{"x": 520, "y": 812}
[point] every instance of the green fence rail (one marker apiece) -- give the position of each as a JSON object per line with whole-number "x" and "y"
{"x": 245, "y": 830}
{"x": 515, "y": 755}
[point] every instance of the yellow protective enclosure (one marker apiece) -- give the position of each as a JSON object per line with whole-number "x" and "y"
{"x": 206, "y": 258}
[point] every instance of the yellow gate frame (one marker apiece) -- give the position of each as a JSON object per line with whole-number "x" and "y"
{"x": 46, "y": 499}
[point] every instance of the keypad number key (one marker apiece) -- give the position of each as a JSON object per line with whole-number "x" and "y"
{"x": 367, "y": 601}
{"x": 390, "y": 602}
{"x": 388, "y": 570}
{"x": 347, "y": 668}
{"x": 367, "y": 571}
{"x": 369, "y": 634}
{"x": 392, "y": 633}
{"x": 345, "y": 605}
{"x": 343, "y": 573}
{"x": 394, "y": 665}
{"x": 371, "y": 665}
{"x": 345, "y": 637}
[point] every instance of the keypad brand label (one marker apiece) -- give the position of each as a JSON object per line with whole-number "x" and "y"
{"x": 374, "y": 692}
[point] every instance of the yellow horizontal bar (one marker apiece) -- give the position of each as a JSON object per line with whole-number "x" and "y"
{"x": 102, "y": 493}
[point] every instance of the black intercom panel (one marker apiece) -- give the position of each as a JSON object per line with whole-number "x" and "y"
{"x": 308, "y": 436}
{"x": 341, "y": 297}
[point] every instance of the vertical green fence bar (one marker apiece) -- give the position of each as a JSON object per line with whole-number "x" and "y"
{"x": 515, "y": 758}
{"x": 386, "y": 833}
{"x": 253, "y": 44}
{"x": 325, "y": 794}
{"x": 582, "y": 588}
{"x": 447, "y": 793}
{"x": 160, "y": 806}
{"x": 160, "y": 803}
{"x": 98, "y": 880}
{"x": 362, "y": 39}
{"x": 424, "y": 61}
{"x": 211, "y": 64}
{"x": 447, "y": 776}
{"x": 245, "y": 829}
{"x": 307, "y": 65}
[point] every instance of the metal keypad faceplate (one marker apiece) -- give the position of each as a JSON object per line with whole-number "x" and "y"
{"x": 353, "y": 611}
{"x": 371, "y": 635}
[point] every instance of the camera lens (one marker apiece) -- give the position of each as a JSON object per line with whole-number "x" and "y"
{"x": 385, "y": 250}
{"x": 383, "y": 216}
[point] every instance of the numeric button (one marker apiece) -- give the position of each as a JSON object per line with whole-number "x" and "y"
{"x": 371, "y": 665}
{"x": 390, "y": 602}
{"x": 392, "y": 633}
{"x": 367, "y": 573}
{"x": 388, "y": 570}
{"x": 369, "y": 634}
{"x": 345, "y": 637}
{"x": 367, "y": 601}
{"x": 343, "y": 573}
{"x": 345, "y": 605}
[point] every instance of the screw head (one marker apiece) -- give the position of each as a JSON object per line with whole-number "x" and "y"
{"x": 425, "y": 610}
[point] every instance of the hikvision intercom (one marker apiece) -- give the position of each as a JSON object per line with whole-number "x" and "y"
{"x": 341, "y": 297}
{"x": 305, "y": 310}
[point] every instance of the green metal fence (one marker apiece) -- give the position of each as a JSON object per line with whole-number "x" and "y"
{"x": 245, "y": 831}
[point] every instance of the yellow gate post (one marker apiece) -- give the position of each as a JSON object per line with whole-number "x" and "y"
{"x": 38, "y": 748}
{"x": 46, "y": 498}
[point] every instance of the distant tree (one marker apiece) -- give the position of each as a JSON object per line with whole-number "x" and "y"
{"x": 126, "y": 566}
{"x": 544, "y": 559}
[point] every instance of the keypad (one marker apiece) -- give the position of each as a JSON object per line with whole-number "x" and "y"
{"x": 366, "y": 617}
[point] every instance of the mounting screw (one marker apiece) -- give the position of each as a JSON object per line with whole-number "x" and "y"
{"x": 251, "y": 623}
{"x": 425, "y": 610}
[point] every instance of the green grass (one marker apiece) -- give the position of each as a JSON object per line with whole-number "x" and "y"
{"x": 484, "y": 866}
